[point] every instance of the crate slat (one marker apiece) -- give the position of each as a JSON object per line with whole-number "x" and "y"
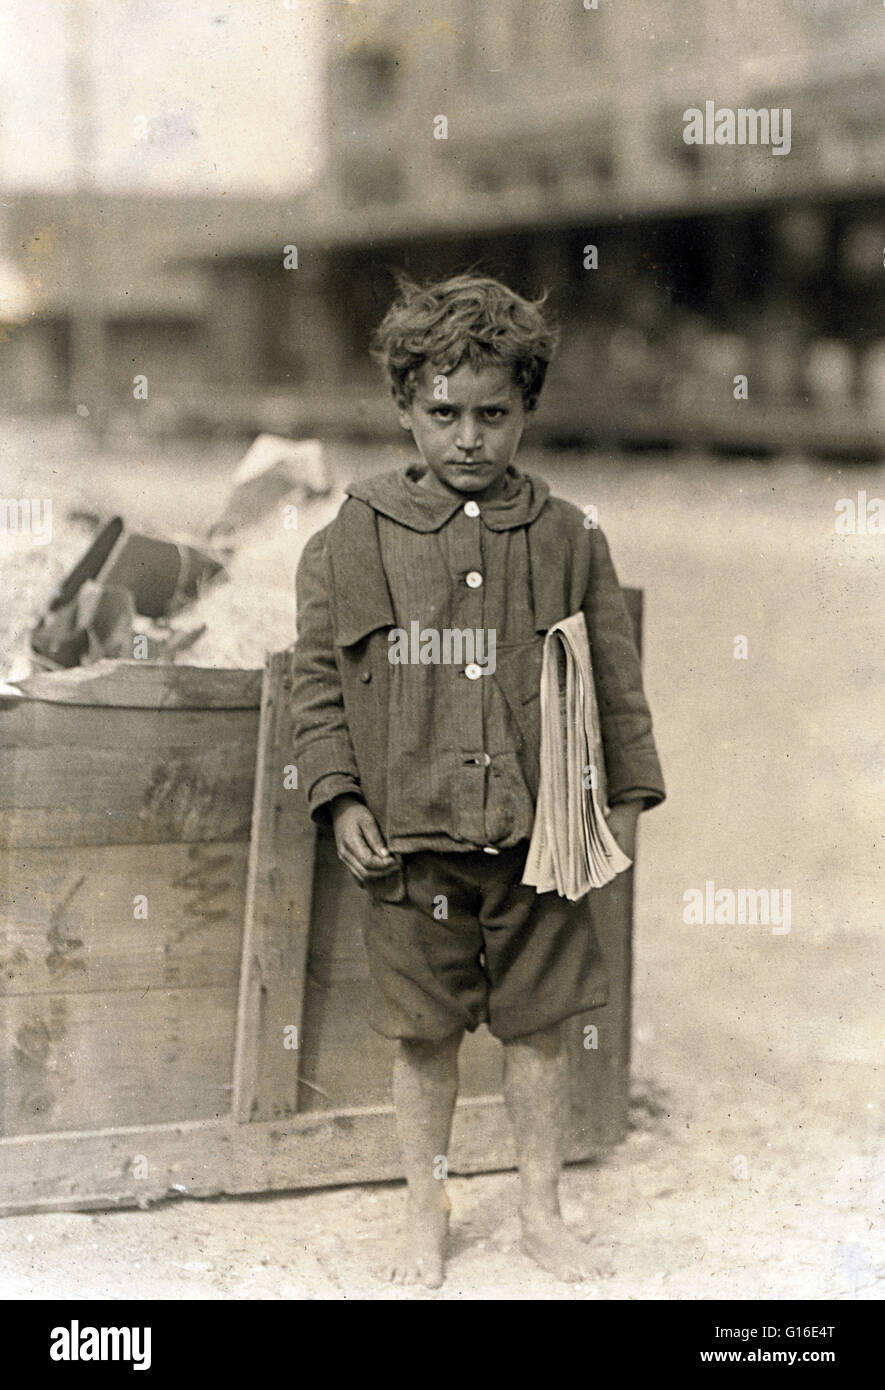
{"x": 96, "y": 1061}
{"x": 142, "y": 685}
{"x": 278, "y": 917}
{"x": 38, "y": 724}
{"x": 79, "y": 795}
{"x": 68, "y": 923}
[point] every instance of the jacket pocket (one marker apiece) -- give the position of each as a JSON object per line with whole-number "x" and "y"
{"x": 518, "y": 673}
{"x": 390, "y": 889}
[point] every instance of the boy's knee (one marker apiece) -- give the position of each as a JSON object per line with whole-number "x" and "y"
{"x": 546, "y": 1042}
{"x": 421, "y": 1051}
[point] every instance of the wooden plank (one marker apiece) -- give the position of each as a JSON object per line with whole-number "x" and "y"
{"x": 68, "y": 920}
{"x": 197, "y": 789}
{"x": 77, "y": 1061}
{"x": 344, "y": 1062}
{"x": 38, "y": 724}
{"x": 599, "y": 1065}
{"x": 143, "y": 1164}
{"x": 200, "y": 1159}
{"x": 599, "y": 1062}
{"x": 278, "y": 907}
{"x": 141, "y": 685}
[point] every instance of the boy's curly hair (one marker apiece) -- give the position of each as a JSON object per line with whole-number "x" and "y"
{"x": 467, "y": 318}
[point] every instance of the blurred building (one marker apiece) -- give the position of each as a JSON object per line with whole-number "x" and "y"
{"x": 101, "y": 257}
{"x": 511, "y": 137}
{"x": 134, "y": 270}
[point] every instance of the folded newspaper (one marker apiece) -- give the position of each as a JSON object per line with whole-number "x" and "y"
{"x": 572, "y": 849}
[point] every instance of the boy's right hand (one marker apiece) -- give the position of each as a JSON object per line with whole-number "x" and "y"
{"x": 359, "y": 841}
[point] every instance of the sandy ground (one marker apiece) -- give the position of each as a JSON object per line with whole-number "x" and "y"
{"x": 754, "y": 1167}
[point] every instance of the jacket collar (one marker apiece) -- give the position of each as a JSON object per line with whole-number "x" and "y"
{"x": 362, "y": 601}
{"x": 401, "y": 496}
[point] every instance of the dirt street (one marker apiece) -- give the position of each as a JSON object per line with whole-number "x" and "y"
{"x": 754, "y": 1167}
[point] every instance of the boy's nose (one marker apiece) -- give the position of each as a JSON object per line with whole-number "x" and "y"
{"x": 469, "y": 438}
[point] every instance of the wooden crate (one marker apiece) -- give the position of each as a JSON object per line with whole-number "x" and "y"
{"x": 181, "y": 967}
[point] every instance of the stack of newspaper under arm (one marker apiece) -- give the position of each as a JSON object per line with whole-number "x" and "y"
{"x": 572, "y": 849}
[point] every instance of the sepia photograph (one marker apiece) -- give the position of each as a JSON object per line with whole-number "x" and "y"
{"x": 442, "y": 578}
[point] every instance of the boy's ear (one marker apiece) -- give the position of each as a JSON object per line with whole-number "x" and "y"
{"x": 402, "y": 408}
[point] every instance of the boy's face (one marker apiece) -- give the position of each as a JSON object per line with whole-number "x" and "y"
{"x": 469, "y": 438}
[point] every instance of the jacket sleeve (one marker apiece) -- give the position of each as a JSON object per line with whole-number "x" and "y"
{"x": 321, "y": 743}
{"x": 632, "y": 766}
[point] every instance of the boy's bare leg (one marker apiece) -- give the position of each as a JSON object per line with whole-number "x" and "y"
{"x": 536, "y": 1091}
{"x": 425, "y": 1084}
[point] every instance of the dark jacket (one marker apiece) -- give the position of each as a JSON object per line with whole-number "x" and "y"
{"x": 342, "y": 669}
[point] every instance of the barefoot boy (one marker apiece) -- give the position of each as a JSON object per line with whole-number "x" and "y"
{"x": 420, "y": 741}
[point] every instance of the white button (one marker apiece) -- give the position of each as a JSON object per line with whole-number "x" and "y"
{"x": 471, "y": 509}
{"x": 474, "y": 579}
{"x": 486, "y": 759}
{"x": 473, "y": 672}
{"x": 490, "y": 849}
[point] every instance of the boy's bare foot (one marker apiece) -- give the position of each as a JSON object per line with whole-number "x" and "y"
{"x": 421, "y": 1255}
{"x": 548, "y": 1241}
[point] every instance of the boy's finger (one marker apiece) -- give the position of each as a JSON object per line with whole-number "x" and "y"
{"x": 358, "y": 859}
{"x": 361, "y": 875}
{"x": 350, "y": 863}
{"x": 357, "y": 851}
{"x": 375, "y": 845}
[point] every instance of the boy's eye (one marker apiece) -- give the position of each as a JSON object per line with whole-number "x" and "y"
{"x": 446, "y": 412}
